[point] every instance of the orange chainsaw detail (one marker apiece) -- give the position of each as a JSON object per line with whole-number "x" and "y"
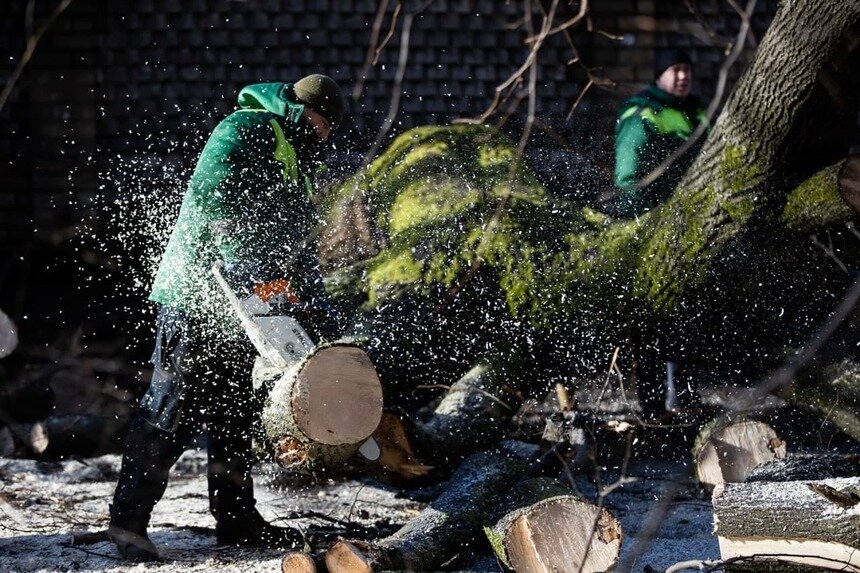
{"x": 269, "y": 290}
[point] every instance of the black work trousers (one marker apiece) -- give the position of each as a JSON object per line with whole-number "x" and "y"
{"x": 200, "y": 381}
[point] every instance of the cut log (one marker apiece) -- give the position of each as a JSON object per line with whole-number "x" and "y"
{"x": 320, "y": 411}
{"x": 813, "y": 523}
{"x": 728, "y": 450}
{"x": 449, "y": 525}
{"x": 8, "y": 335}
{"x": 471, "y": 416}
{"x": 298, "y": 562}
{"x": 849, "y": 182}
{"x": 553, "y": 530}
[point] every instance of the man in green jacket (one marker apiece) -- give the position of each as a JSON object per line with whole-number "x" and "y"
{"x": 651, "y": 126}
{"x": 248, "y": 204}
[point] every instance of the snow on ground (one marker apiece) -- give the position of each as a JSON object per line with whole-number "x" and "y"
{"x": 43, "y": 504}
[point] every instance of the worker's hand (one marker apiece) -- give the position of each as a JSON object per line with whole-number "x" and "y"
{"x": 268, "y": 290}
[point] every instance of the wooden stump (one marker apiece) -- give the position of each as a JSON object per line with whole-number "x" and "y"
{"x": 443, "y": 529}
{"x": 808, "y": 523}
{"x": 728, "y": 450}
{"x": 322, "y": 409}
{"x": 553, "y": 530}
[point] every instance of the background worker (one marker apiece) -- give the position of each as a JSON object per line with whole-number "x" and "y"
{"x": 651, "y": 126}
{"x": 249, "y": 204}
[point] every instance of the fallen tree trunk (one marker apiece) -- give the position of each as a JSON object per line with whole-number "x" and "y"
{"x": 731, "y": 246}
{"x": 449, "y": 525}
{"x": 728, "y": 450}
{"x": 813, "y": 523}
{"x": 552, "y": 530}
{"x": 319, "y": 412}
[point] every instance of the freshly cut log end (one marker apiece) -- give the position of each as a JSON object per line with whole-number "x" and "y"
{"x": 298, "y": 562}
{"x": 729, "y": 451}
{"x": 291, "y": 452}
{"x": 347, "y": 557}
{"x": 799, "y": 522}
{"x": 338, "y": 396}
{"x": 563, "y": 534}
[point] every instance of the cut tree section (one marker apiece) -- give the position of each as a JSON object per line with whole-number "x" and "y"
{"x": 563, "y": 535}
{"x": 727, "y": 451}
{"x": 338, "y": 397}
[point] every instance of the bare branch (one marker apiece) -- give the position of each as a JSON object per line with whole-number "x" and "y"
{"x": 389, "y": 34}
{"x": 369, "y": 59}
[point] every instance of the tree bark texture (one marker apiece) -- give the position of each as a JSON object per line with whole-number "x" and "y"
{"x": 727, "y": 263}
{"x": 813, "y": 523}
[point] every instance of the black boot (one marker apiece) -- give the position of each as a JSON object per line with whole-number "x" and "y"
{"x": 250, "y": 530}
{"x": 129, "y": 536}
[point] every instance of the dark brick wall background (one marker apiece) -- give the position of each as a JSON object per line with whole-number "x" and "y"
{"x": 118, "y": 81}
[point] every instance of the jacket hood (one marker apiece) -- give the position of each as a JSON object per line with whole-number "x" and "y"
{"x": 275, "y": 97}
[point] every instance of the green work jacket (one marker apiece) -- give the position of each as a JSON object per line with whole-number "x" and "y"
{"x": 652, "y": 125}
{"x": 248, "y": 202}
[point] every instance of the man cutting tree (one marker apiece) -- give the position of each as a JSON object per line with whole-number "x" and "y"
{"x": 249, "y": 204}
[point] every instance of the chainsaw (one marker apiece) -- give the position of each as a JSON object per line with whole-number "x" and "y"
{"x": 278, "y": 337}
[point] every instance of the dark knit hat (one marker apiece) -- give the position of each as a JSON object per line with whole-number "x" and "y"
{"x": 668, "y": 57}
{"x": 321, "y": 94}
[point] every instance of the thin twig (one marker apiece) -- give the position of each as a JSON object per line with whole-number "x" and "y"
{"x": 828, "y": 250}
{"x": 389, "y": 34}
{"x": 479, "y": 390}
{"x": 369, "y": 59}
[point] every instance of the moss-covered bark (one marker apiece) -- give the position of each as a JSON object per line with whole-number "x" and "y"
{"x": 448, "y": 220}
